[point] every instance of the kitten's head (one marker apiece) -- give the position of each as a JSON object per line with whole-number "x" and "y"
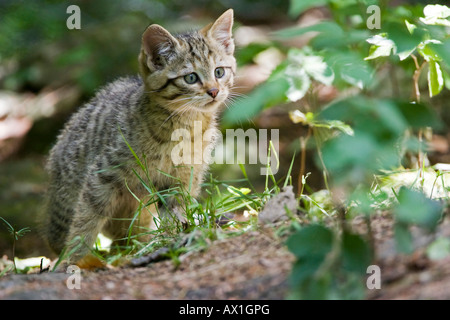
{"x": 191, "y": 70}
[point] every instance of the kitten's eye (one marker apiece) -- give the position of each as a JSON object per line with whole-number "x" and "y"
{"x": 219, "y": 72}
{"x": 191, "y": 78}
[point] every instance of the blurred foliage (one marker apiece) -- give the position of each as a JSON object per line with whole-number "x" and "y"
{"x": 414, "y": 208}
{"x": 379, "y": 126}
{"x": 37, "y": 49}
{"x": 364, "y": 133}
{"x": 328, "y": 266}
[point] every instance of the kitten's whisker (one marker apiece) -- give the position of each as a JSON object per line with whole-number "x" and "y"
{"x": 179, "y": 100}
{"x": 234, "y": 98}
{"x": 152, "y": 91}
{"x": 178, "y": 110}
{"x": 237, "y": 95}
{"x": 240, "y": 87}
{"x": 234, "y": 93}
{"x": 226, "y": 104}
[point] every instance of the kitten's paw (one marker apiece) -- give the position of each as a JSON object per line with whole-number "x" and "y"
{"x": 87, "y": 262}
{"x": 173, "y": 214}
{"x": 90, "y": 262}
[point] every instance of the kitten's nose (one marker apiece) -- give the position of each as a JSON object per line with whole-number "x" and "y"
{"x": 213, "y": 92}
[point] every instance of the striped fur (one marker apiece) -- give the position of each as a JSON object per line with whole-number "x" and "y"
{"x": 91, "y": 166}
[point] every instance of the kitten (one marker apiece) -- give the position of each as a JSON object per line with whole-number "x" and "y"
{"x": 183, "y": 78}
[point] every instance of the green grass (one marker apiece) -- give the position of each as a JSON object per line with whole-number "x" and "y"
{"x": 219, "y": 200}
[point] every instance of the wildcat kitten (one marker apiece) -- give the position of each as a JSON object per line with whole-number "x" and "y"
{"x": 183, "y": 78}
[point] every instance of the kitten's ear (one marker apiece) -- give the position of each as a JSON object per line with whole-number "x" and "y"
{"x": 158, "y": 45}
{"x": 220, "y": 31}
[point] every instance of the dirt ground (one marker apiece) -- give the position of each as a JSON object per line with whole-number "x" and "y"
{"x": 251, "y": 266}
{"x": 409, "y": 277}
{"x": 254, "y": 265}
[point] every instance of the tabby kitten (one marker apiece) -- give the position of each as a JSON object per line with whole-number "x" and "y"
{"x": 183, "y": 78}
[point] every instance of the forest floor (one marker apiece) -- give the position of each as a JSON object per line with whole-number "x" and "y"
{"x": 251, "y": 266}
{"x": 254, "y": 265}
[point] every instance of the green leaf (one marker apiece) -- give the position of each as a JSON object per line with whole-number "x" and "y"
{"x": 405, "y": 42}
{"x": 329, "y": 34}
{"x": 436, "y": 15}
{"x": 23, "y": 231}
{"x": 312, "y": 64}
{"x": 246, "y": 55}
{"x": 310, "y": 245}
{"x": 351, "y": 158}
{"x": 381, "y": 47}
{"x": 334, "y": 124}
{"x": 415, "y": 208}
{"x": 8, "y": 225}
{"x": 436, "y": 10}
{"x": 439, "y": 249}
{"x": 298, "y": 6}
{"x": 303, "y": 65}
{"x": 356, "y": 255}
{"x": 435, "y": 78}
{"x": 317, "y": 288}
{"x": 442, "y": 50}
{"x": 418, "y": 115}
{"x": 322, "y": 27}
{"x": 299, "y": 83}
{"x": 313, "y": 241}
{"x": 410, "y": 26}
{"x": 379, "y": 118}
{"x": 427, "y": 51}
{"x": 267, "y": 94}
{"x": 303, "y": 269}
{"x": 349, "y": 68}
{"x": 297, "y": 116}
{"x": 403, "y": 238}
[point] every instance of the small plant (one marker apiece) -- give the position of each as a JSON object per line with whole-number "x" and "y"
{"x": 328, "y": 265}
{"x": 15, "y": 235}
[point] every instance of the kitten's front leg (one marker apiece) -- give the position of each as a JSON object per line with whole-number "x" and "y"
{"x": 92, "y": 211}
{"x": 175, "y": 206}
{"x": 83, "y": 232}
{"x": 172, "y": 212}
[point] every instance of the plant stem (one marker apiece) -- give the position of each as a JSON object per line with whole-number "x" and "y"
{"x": 370, "y": 233}
{"x": 416, "y": 93}
{"x": 14, "y": 253}
{"x": 303, "y": 143}
{"x": 416, "y": 76}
